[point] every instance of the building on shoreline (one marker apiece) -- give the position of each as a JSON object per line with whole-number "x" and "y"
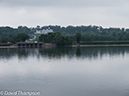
{"x": 44, "y": 31}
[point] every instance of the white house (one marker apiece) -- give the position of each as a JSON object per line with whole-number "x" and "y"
{"x": 44, "y": 31}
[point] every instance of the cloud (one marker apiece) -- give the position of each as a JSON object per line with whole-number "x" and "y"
{"x": 105, "y": 13}
{"x": 64, "y": 3}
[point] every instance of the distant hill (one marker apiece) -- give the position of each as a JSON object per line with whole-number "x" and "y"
{"x": 89, "y": 31}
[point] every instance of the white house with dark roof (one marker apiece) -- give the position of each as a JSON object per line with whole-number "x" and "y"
{"x": 44, "y": 31}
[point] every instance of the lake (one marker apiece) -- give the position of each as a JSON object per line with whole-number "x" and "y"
{"x": 63, "y": 71}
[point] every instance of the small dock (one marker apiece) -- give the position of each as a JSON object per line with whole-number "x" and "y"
{"x": 30, "y": 45}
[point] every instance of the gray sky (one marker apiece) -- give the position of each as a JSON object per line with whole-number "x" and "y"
{"x": 105, "y": 13}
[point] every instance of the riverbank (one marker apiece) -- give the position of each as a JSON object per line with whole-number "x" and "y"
{"x": 103, "y": 42}
{"x": 47, "y": 45}
{"x": 8, "y": 46}
{"x": 101, "y": 45}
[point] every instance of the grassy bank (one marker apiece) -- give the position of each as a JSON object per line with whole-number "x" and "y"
{"x": 89, "y": 43}
{"x": 103, "y": 42}
{"x": 5, "y": 44}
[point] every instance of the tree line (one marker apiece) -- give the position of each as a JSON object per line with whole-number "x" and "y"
{"x": 88, "y": 33}
{"x": 6, "y": 31}
{"x": 56, "y": 38}
{"x": 21, "y": 37}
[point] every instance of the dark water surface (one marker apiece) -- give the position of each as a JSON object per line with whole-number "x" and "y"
{"x": 91, "y": 71}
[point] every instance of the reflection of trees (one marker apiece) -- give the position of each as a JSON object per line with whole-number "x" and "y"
{"x": 7, "y": 53}
{"x": 20, "y": 53}
{"x": 55, "y": 52}
{"x": 27, "y": 52}
{"x": 78, "y": 52}
{"x": 88, "y": 52}
{"x": 95, "y": 52}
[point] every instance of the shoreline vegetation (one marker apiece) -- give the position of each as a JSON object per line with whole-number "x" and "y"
{"x": 63, "y": 36}
{"x": 103, "y": 42}
{"x": 82, "y": 44}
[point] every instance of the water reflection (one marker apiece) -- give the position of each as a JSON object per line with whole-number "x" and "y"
{"x": 78, "y": 52}
{"x": 62, "y": 71}
{"x": 88, "y": 52}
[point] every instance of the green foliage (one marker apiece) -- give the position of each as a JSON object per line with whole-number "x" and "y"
{"x": 18, "y": 38}
{"x": 104, "y": 42}
{"x": 58, "y": 39}
{"x": 88, "y": 33}
{"x": 21, "y": 37}
{"x": 6, "y": 31}
{"x": 55, "y": 38}
{"x": 86, "y": 37}
{"x": 78, "y": 37}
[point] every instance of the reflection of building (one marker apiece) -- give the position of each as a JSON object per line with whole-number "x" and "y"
{"x": 44, "y": 31}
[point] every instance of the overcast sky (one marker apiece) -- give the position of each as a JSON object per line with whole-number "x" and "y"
{"x": 105, "y": 13}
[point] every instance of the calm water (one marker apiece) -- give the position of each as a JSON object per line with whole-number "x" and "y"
{"x": 91, "y": 71}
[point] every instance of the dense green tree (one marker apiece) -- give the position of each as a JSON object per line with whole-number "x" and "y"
{"x": 55, "y": 38}
{"x": 89, "y": 33}
{"x": 21, "y": 37}
{"x": 78, "y": 37}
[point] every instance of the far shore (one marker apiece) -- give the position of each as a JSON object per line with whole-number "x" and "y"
{"x": 100, "y": 45}
{"x": 8, "y": 46}
{"x": 77, "y": 45}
